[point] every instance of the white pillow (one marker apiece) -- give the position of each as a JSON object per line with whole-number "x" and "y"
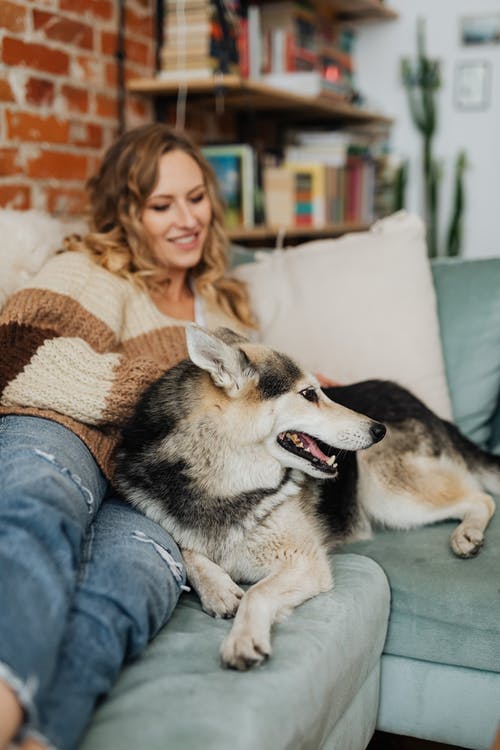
{"x": 29, "y": 238}
{"x": 358, "y": 307}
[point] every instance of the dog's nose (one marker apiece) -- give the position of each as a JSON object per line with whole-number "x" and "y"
{"x": 377, "y": 431}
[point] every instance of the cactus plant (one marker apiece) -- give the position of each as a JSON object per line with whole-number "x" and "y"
{"x": 422, "y": 80}
{"x": 454, "y": 236}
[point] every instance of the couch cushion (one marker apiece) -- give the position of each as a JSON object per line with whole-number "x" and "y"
{"x": 468, "y": 293}
{"x": 356, "y": 307}
{"x": 178, "y": 696}
{"x": 443, "y": 609}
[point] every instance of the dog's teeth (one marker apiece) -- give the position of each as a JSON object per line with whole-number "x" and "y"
{"x": 295, "y": 439}
{"x": 331, "y": 460}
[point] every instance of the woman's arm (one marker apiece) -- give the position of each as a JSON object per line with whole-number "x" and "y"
{"x": 61, "y": 351}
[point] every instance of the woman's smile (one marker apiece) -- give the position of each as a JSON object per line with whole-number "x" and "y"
{"x": 178, "y": 212}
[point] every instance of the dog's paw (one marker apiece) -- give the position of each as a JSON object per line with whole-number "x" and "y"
{"x": 221, "y": 600}
{"x": 466, "y": 541}
{"x": 245, "y": 649}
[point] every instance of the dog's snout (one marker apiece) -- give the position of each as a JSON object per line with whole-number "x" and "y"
{"x": 377, "y": 431}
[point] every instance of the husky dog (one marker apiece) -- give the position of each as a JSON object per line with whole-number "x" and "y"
{"x": 236, "y": 452}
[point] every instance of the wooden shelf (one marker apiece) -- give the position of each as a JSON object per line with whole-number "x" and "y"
{"x": 362, "y": 11}
{"x": 263, "y": 233}
{"x": 244, "y": 94}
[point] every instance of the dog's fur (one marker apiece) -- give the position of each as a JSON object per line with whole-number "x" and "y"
{"x": 213, "y": 453}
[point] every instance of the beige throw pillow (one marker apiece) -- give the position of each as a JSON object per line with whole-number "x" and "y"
{"x": 358, "y": 307}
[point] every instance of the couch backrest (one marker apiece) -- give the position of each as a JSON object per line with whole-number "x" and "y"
{"x": 358, "y": 307}
{"x": 468, "y": 310}
{"x": 468, "y": 294}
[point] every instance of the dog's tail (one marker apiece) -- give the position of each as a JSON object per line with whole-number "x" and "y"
{"x": 488, "y": 472}
{"x": 483, "y": 465}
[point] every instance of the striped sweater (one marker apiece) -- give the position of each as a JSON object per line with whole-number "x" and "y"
{"x": 79, "y": 344}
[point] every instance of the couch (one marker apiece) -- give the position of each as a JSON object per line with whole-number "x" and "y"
{"x": 408, "y": 641}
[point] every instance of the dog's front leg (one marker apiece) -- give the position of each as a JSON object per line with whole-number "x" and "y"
{"x": 219, "y": 594}
{"x": 271, "y": 599}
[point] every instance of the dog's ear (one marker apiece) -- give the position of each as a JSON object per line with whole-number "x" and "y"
{"x": 228, "y": 366}
{"x": 229, "y": 336}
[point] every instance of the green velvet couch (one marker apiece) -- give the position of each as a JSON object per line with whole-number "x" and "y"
{"x": 408, "y": 641}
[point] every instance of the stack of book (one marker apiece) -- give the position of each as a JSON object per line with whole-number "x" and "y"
{"x": 336, "y": 61}
{"x": 200, "y": 39}
{"x": 302, "y": 50}
{"x": 327, "y": 178}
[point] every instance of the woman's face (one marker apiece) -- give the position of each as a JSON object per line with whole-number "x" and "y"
{"x": 178, "y": 212}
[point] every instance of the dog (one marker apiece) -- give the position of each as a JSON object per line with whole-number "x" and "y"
{"x": 236, "y": 452}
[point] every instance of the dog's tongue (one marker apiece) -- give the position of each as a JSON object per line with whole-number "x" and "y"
{"x": 312, "y": 446}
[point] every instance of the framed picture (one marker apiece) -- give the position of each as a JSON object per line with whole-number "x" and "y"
{"x": 472, "y": 84}
{"x": 234, "y": 168}
{"x": 482, "y": 29}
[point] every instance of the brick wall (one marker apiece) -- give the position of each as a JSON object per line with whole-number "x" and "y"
{"x": 58, "y": 99}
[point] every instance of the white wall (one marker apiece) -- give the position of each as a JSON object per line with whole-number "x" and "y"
{"x": 379, "y": 52}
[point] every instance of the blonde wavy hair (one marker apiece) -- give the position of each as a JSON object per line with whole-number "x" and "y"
{"x": 117, "y": 239}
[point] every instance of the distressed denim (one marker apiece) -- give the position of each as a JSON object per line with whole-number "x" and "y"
{"x": 85, "y": 580}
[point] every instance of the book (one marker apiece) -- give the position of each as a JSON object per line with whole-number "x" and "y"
{"x": 326, "y": 147}
{"x": 302, "y": 83}
{"x": 234, "y": 167}
{"x": 310, "y": 194}
{"x": 334, "y": 156}
{"x": 254, "y": 44}
{"x": 194, "y": 61}
{"x": 185, "y": 74}
{"x": 279, "y": 196}
{"x": 200, "y": 29}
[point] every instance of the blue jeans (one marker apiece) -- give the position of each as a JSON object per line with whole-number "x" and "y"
{"x": 85, "y": 580}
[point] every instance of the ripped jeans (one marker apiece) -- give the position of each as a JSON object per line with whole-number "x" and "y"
{"x": 83, "y": 585}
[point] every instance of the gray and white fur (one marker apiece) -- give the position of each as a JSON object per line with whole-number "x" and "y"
{"x": 236, "y": 452}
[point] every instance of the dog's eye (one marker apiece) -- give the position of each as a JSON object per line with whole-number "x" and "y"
{"x": 310, "y": 394}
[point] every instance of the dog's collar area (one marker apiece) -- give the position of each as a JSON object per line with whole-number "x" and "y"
{"x": 308, "y": 447}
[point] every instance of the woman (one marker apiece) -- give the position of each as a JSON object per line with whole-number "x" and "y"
{"x": 85, "y": 584}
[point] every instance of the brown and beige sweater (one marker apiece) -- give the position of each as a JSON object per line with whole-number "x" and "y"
{"x": 78, "y": 345}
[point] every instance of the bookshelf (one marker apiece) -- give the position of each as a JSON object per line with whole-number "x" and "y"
{"x": 265, "y": 234}
{"x": 259, "y": 112}
{"x": 244, "y": 94}
{"x": 363, "y": 11}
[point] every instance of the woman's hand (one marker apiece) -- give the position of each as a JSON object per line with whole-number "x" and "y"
{"x": 326, "y": 382}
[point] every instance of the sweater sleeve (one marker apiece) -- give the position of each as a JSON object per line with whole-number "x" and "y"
{"x": 59, "y": 355}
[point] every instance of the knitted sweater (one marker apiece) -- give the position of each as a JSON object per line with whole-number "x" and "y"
{"x": 78, "y": 345}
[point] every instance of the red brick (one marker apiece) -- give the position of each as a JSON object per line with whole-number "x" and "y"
{"x": 109, "y": 41}
{"x": 111, "y": 74}
{"x": 13, "y": 17}
{"x": 27, "y": 127}
{"x": 8, "y": 162}
{"x": 84, "y": 8}
{"x": 66, "y": 201}
{"x": 38, "y": 56}
{"x": 107, "y": 106}
{"x": 139, "y": 107}
{"x": 60, "y": 29}
{"x": 141, "y": 24}
{"x": 40, "y": 92}
{"x": 77, "y": 99}
{"x": 94, "y": 163}
{"x": 85, "y": 134}
{"x": 133, "y": 71}
{"x": 15, "y": 196}
{"x": 59, "y": 165}
{"x": 138, "y": 52}
{"x": 6, "y": 93}
{"x": 88, "y": 70}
